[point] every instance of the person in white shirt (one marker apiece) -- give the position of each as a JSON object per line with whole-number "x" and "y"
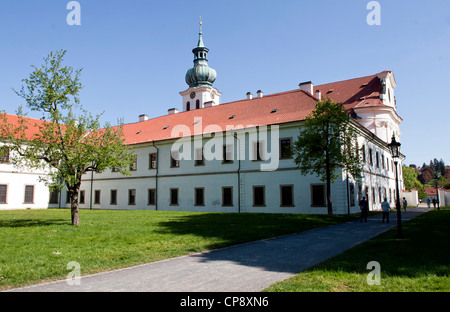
{"x": 385, "y": 206}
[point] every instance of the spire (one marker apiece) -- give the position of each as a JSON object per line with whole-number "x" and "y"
{"x": 200, "y": 39}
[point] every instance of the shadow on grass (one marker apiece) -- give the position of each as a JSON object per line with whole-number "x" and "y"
{"x": 232, "y": 228}
{"x": 32, "y": 222}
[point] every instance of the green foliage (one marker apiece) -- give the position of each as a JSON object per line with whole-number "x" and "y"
{"x": 327, "y": 138}
{"x": 327, "y": 143}
{"x": 410, "y": 178}
{"x": 69, "y": 141}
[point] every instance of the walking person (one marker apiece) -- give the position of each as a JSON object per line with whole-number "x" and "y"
{"x": 364, "y": 206}
{"x": 405, "y": 203}
{"x": 428, "y": 202}
{"x": 385, "y": 206}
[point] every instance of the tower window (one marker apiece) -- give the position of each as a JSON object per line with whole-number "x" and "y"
{"x": 197, "y": 104}
{"x": 188, "y": 106}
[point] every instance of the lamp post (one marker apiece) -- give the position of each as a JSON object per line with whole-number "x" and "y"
{"x": 436, "y": 180}
{"x": 394, "y": 147}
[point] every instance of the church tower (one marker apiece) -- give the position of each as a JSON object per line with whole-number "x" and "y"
{"x": 200, "y": 79}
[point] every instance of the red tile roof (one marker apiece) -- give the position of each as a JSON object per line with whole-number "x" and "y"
{"x": 431, "y": 191}
{"x": 32, "y": 124}
{"x": 291, "y": 106}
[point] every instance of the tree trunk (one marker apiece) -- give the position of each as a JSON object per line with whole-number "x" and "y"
{"x": 328, "y": 173}
{"x": 74, "y": 205}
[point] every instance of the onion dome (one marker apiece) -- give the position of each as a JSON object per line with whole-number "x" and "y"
{"x": 201, "y": 74}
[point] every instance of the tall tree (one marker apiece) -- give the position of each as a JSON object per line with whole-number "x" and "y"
{"x": 67, "y": 141}
{"x": 410, "y": 178}
{"x": 328, "y": 142}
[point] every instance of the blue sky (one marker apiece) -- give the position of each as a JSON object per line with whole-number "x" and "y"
{"x": 135, "y": 53}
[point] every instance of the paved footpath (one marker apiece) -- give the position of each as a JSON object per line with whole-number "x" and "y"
{"x": 248, "y": 267}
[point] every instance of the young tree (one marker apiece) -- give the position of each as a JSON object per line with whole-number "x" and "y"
{"x": 327, "y": 142}
{"x": 67, "y": 141}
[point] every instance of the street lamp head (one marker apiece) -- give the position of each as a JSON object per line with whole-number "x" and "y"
{"x": 436, "y": 178}
{"x": 394, "y": 147}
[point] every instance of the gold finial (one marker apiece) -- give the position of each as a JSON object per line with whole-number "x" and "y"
{"x": 200, "y": 20}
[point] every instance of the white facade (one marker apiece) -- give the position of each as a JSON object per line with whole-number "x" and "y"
{"x": 211, "y": 179}
{"x": 22, "y": 188}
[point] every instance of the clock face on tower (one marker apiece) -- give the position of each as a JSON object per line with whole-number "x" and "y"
{"x": 192, "y": 95}
{"x": 212, "y": 94}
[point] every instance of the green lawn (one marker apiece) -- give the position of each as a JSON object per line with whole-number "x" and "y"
{"x": 418, "y": 263}
{"x": 37, "y": 245}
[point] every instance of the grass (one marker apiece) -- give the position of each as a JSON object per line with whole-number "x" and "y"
{"x": 37, "y": 245}
{"x": 418, "y": 263}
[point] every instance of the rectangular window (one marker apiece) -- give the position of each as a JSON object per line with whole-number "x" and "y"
{"x": 132, "y": 197}
{"x": 113, "y": 200}
{"x": 68, "y": 197}
{"x": 352, "y": 194}
{"x": 53, "y": 197}
{"x": 174, "y": 159}
{"x": 82, "y": 193}
{"x": 287, "y": 195}
{"x": 152, "y": 161}
{"x": 97, "y": 197}
{"x": 377, "y": 159}
{"x": 259, "y": 196}
{"x": 370, "y": 157}
{"x": 382, "y": 161}
{"x": 3, "y": 193}
{"x": 199, "y": 196}
{"x": 227, "y": 196}
{"x": 4, "y": 154}
{"x": 151, "y": 200}
{"x": 133, "y": 165}
{"x": 285, "y": 148}
{"x": 318, "y": 195}
{"x": 174, "y": 197}
{"x": 29, "y": 194}
{"x": 199, "y": 157}
{"x": 227, "y": 154}
{"x": 258, "y": 152}
{"x": 363, "y": 149}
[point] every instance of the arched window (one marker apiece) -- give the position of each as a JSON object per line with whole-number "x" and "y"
{"x": 197, "y": 104}
{"x": 188, "y": 106}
